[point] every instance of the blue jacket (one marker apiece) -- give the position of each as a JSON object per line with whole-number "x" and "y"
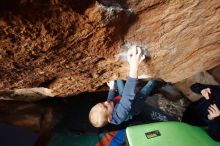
{"x": 122, "y": 110}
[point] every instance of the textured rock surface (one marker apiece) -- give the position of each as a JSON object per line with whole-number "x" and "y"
{"x": 203, "y": 77}
{"x": 216, "y": 73}
{"x": 42, "y": 116}
{"x": 70, "y": 46}
{"x": 38, "y": 117}
{"x": 183, "y": 36}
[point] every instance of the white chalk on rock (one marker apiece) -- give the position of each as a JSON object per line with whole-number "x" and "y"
{"x": 128, "y": 46}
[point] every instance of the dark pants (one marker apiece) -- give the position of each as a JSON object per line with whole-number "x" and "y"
{"x": 142, "y": 111}
{"x": 152, "y": 114}
{"x": 141, "y": 96}
{"x": 196, "y": 113}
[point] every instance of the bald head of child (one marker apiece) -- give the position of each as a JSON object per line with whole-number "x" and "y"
{"x": 101, "y": 113}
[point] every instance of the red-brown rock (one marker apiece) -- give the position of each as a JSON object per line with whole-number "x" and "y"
{"x": 70, "y": 46}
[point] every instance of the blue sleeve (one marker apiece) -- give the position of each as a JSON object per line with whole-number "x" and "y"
{"x": 122, "y": 110}
{"x": 214, "y": 128}
{"x": 111, "y": 95}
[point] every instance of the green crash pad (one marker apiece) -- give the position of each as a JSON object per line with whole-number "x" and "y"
{"x": 168, "y": 134}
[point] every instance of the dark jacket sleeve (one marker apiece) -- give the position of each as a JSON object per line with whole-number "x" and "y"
{"x": 214, "y": 128}
{"x": 197, "y": 87}
{"x": 111, "y": 95}
{"x": 122, "y": 110}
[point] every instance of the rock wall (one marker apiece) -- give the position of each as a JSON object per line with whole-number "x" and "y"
{"x": 183, "y": 36}
{"x": 71, "y": 46}
{"x": 203, "y": 77}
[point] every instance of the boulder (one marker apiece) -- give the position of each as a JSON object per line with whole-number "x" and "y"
{"x": 71, "y": 46}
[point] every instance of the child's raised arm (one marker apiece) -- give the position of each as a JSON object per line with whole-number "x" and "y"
{"x": 122, "y": 111}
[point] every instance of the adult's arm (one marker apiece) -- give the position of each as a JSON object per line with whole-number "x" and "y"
{"x": 214, "y": 128}
{"x": 197, "y": 87}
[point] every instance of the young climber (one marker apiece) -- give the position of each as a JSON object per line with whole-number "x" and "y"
{"x": 131, "y": 103}
{"x": 205, "y": 111}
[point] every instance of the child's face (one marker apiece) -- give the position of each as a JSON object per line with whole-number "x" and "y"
{"x": 109, "y": 105}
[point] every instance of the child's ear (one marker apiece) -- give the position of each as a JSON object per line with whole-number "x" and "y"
{"x": 109, "y": 118}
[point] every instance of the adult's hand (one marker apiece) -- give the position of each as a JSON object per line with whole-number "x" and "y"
{"x": 205, "y": 93}
{"x": 213, "y": 112}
